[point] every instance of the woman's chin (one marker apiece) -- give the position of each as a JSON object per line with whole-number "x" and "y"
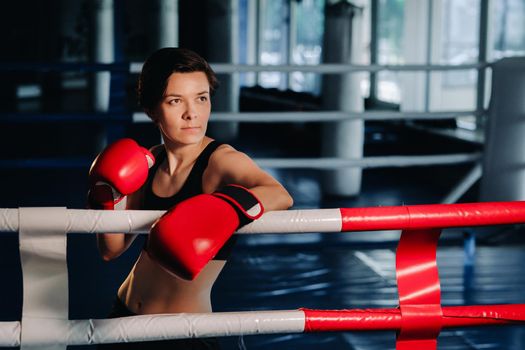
{"x": 188, "y": 139}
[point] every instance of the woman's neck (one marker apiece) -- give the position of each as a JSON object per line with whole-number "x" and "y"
{"x": 179, "y": 156}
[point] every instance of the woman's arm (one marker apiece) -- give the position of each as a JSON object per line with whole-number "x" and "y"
{"x": 112, "y": 245}
{"x": 234, "y": 167}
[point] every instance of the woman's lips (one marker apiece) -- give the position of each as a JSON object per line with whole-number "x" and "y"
{"x": 191, "y": 128}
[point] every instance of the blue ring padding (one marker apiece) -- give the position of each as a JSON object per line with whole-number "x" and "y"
{"x": 65, "y": 117}
{"x": 71, "y": 66}
{"x": 46, "y": 163}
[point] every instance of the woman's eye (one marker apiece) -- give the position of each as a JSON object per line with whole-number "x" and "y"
{"x": 203, "y": 98}
{"x": 174, "y": 101}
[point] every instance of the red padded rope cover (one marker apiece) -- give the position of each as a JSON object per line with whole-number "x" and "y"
{"x": 390, "y": 319}
{"x": 432, "y": 216}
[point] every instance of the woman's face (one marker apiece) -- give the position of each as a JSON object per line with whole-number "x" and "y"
{"x": 182, "y": 114}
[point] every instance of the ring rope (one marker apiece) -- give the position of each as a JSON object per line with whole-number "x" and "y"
{"x": 288, "y": 163}
{"x": 368, "y": 162}
{"x": 171, "y": 326}
{"x": 246, "y": 117}
{"x": 323, "y": 116}
{"x": 306, "y": 220}
{"x": 136, "y": 67}
{"x": 333, "y": 68}
{"x": 418, "y": 321}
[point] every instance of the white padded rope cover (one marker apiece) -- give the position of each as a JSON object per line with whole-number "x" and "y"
{"x": 169, "y": 326}
{"x": 173, "y": 326}
{"x": 100, "y": 221}
{"x": 297, "y": 221}
{"x": 93, "y": 221}
{"x": 140, "y": 221}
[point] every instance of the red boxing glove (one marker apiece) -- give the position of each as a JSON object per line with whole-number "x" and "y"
{"x": 191, "y": 233}
{"x": 121, "y": 169}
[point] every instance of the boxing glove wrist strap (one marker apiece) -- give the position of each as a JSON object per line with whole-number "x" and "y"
{"x": 245, "y": 203}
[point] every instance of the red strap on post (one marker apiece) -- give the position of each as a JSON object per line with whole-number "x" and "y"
{"x": 419, "y": 290}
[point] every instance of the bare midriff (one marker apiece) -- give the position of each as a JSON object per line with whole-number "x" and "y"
{"x": 150, "y": 289}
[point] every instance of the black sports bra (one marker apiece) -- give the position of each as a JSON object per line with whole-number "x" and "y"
{"x": 191, "y": 187}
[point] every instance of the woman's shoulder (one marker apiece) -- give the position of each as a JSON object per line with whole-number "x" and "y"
{"x": 227, "y": 156}
{"x": 223, "y": 150}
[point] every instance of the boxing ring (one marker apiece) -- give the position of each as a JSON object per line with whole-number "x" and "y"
{"x": 417, "y": 321}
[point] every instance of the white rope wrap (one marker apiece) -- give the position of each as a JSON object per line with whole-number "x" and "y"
{"x": 44, "y": 265}
{"x": 297, "y": 221}
{"x": 93, "y": 221}
{"x": 100, "y": 221}
{"x": 167, "y": 326}
{"x": 163, "y": 327}
{"x": 140, "y": 221}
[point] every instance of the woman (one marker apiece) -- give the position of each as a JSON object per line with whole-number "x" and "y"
{"x": 174, "y": 90}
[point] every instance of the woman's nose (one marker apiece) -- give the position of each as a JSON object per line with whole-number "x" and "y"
{"x": 190, "y": 112}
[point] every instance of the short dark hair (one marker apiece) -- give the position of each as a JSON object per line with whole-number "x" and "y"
{"x": 160, "y": 65}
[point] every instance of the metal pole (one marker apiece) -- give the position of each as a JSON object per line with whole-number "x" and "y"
{"x": 103, "y": 51}
{"x": 428, "y": 54}
{"x": 252, "y": 40}
{"x": 342, "y": 44}
{"x": 482, "y": 55}
{"x": 374, "y": 36}
{"x": 223, "y": 34}
{"x": 292, "y": 38}
{"x": 168, "y": 23}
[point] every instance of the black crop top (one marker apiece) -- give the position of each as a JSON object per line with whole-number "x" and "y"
{"x": 191, "y": 187}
